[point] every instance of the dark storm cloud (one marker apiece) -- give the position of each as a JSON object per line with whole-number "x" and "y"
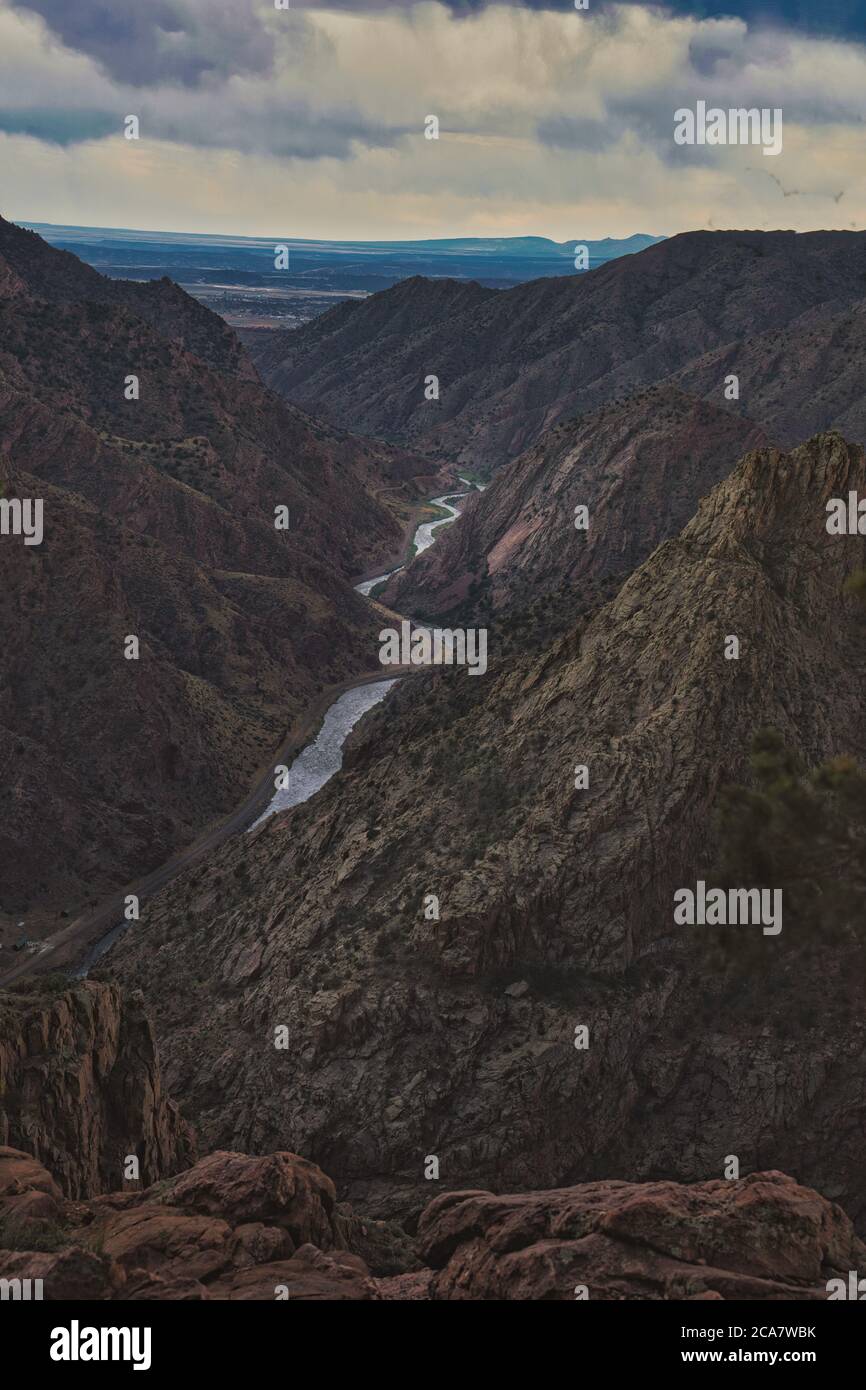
{"x": 843, "y": 18}
{"x": 180, "y": 41}
{"x": 203, "y": 42}
{"x": 323, "y": 88}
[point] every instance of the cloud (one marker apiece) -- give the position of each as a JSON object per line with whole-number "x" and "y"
{"x": 808, "y": 18}
{"x": 297, "y": 109}
{"x": 553, "y": 121}
{"x": 184, "y": 41}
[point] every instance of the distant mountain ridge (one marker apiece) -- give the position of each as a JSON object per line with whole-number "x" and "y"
{"x": 53, "y": 232}
{"x": 335, "y": 266}
{"x": 513, "y": 364}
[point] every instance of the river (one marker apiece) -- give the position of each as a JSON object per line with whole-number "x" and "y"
{"x": 317, "y": 763}
{"x": 423, "y": 538}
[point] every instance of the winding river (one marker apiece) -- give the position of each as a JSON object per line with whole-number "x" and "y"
{"x": 423, "y": 538}
{"x": 317, "y": 763}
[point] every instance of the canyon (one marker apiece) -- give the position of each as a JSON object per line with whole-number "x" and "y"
{"x": 450, "y": 1034}
{"x": 410, "y": 1035}
{"x": 159, "y": 520}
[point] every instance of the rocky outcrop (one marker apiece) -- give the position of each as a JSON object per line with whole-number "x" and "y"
{"x": 453, "y": 1035}
{"x": 240, "y": 1228}
{"x": 764, "y": 1237}
{"x": 231, "y": 1227}
{"x": 81, "y": 1089}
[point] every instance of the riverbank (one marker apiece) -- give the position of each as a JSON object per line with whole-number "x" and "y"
{"x": 409, "y": 547}
{"x": 76, "y": 941}
{"x": 422, "y": 538}
{"x": 66, "y": 947}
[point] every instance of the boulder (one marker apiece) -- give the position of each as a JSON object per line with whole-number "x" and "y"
{"x": 760, "y": 1237}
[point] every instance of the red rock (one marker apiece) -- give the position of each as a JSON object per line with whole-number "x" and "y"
{"x": 154, "y": 1237}
{"x": 83, "y": 1087}
{"x": 762, "y": 1237}
{"x": 21, "y": 1173}
{"x": 72, "y": 1273}
{"x": 156, "y": 1289}
{"x": 309, "y": 1276}
{"x": 278, "y": 1189}
{"x": 406, "y": 1288}
{"x": 233, "y": 1226}
{"x": 257, "y": 1244}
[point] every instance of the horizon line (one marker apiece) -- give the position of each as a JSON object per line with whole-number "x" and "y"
{"x": 30, "y": 224}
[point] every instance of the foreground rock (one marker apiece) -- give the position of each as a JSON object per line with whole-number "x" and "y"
{"x": 763, "y": 1237}
{"x": 240, "y": 1228}
{"x": 231, "y": 1227}
{"x": 81, "y": 1086}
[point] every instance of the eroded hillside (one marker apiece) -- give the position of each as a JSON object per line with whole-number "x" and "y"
{"x": 161, "y": 465}
{"x": 511, "y": 364}
{"x": 412, "y": 1035}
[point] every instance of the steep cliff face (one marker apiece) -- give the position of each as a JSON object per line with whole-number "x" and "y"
{"x": 449, "y": 1029}
{"x": 639, "y": 469}
{"x": 81, "y": 1087}
{"x": 515, "y": 363}
{"x": 159, "y": 513}
{"x": 109, "y": 765}
{"x": 796, "y": 382}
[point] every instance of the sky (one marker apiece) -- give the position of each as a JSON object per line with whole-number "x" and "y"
{"x": 310, "y": 121}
